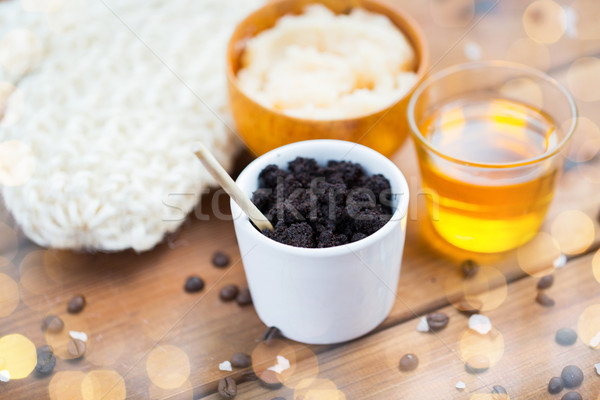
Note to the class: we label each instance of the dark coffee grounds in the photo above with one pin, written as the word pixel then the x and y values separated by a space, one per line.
pixel 314 206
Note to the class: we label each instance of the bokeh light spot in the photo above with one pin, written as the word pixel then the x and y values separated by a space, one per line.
pixel 103 385
pixel 574 231
pixel 17 163
pixel 318 389
pixel 484 292
pixel 33 274
pixel 588 326
pixel 265 356
pixel 19 355
pixel 588 15
pixel 544 21
pixel 596 266
pixel 583 78
pixel 528 52
pixel 585 144
pixel 9 295
pixel 537 257
pixel 474 345
pixel 168 367
pixel 66 385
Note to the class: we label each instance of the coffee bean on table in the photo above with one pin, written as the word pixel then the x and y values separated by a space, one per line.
pixel 544 300
pixel 498 393
pixel 269 380
pixel 545 282
pixel 270 334
pixel 45 360
pixel 76 304
pixel 555 385
pixel 566 336
pixel 437 321
pixel 194 284
pixel 244 298
pixel 572 376
pixel 571 396
pixel 241 360
pixel 477 364
pixel 227 388
pixel 473 306
pixel 229 292
pixel 408 362
pixel 220 259
pixel 52 324
pixel 469 268
pixel 76 348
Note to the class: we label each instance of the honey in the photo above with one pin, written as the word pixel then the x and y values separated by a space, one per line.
pixel 488 194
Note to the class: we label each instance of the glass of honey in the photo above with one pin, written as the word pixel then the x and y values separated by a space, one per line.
pixel 490 140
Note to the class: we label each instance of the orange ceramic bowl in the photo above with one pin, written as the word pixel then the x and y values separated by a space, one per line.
pixel 264 129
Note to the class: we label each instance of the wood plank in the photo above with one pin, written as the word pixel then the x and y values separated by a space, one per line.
pixel 368 368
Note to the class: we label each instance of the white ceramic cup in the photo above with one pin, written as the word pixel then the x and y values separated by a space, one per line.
pixel 324 295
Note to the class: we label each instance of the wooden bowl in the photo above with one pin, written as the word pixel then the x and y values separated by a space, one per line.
pixel 264 129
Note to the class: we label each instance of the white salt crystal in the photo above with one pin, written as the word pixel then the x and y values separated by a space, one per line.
pixel 480 324
pixel 460 385
pixel 78 335
pixel 282 364
pixel 597 368
pixel 423 325
pixel 560 262
pixel 4 375
pixel 225 366
pixel 595 342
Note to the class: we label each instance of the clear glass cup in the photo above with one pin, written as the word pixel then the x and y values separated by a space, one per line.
pixel 491 140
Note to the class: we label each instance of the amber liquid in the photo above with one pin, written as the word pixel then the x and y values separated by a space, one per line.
pixel 488 209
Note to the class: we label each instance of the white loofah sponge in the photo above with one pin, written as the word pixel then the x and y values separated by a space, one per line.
pixel 98 152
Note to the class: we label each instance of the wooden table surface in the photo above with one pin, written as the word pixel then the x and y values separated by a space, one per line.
pixel 150 339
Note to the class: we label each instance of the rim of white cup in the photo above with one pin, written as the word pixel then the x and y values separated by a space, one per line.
pixel 392 173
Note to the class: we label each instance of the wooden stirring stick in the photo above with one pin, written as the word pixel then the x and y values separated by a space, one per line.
pixel 233 190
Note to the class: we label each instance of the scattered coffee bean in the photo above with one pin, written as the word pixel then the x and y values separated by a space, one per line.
pixel 220 259
pixel 408 362
pixel 229 292
pixel 248 376
pixel 555 385
pixel 227 388
pixel 571 396
pixel 76 348
pixel 241 360
pixel 244 297
pixel 544 300
pixel 473 306
pixel 545 282
pixel 499 393
pixel 572 376
pixel 194 284
pixel 269 380
pixel 566 336
pixel 437 321
pixel 270 334
pixel 52 324
pixel 76 304
pixel 469 268
pixel 45 360
pixel 477 364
